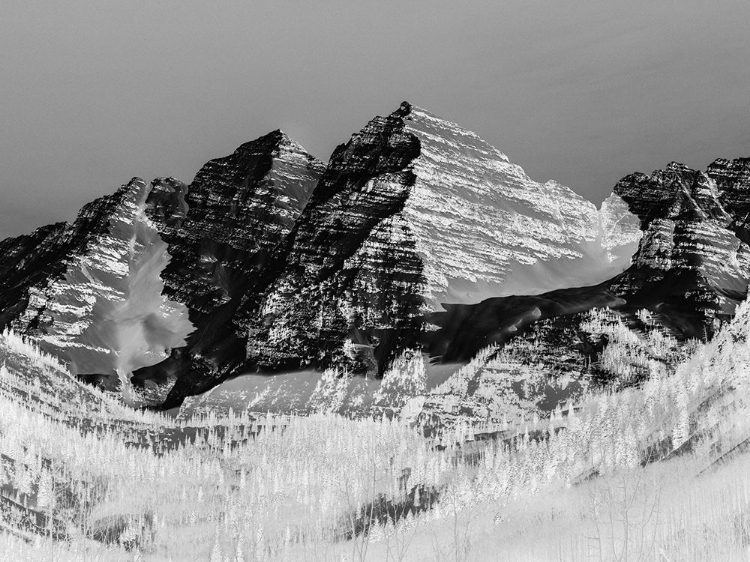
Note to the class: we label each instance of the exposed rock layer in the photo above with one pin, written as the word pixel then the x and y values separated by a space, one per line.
pixel 691 269
pixel 413 212
pixel 222 231
pixel 417 232
pixel 110 296
pixel 692 259
pixel 92 293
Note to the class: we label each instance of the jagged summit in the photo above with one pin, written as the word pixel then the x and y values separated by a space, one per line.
pixel 236 214
pixel 412 212
pixel 459 134
pixel 92 293
pixel 276 138
pixel 515 235
pixel 404 109
pixel 416 233
pixel 137 271
pixel 694 253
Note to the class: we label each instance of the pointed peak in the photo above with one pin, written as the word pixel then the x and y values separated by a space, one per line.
pixel 269 143
pixel 736 164
pixel 280 136
pixel 403 110
pixel 275 137
pixel 409 111
pixel 678 167
pixel 286 141
pixel 421 121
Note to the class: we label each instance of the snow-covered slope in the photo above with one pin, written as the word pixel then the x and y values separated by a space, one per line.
pixel 484 229
pixel 412 213
pixel 690 271
pixel 694 258
pixel 416 234
pixel 103 311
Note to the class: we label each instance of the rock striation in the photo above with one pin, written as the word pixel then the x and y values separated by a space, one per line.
pixel 412 213
pixel 91 291
pixel 417 233
pixel 229 220
pixel 140 270
pixel 690 270
pixel 693 263
pixel 222 231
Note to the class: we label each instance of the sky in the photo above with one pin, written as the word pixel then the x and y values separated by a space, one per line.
pixel 95 92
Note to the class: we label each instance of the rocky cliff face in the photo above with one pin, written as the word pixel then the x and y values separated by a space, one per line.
pixel 733 183
pixel 414 212
pixel 140 270
pixel 231 217
pixel 222 231
pixel 416 233
pixel 486 229
pixel 26 262
pixel 692 261
pixel 690 270
pixel 91 292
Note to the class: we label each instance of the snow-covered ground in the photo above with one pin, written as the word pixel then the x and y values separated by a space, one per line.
pixel 652 472
pixel 292 392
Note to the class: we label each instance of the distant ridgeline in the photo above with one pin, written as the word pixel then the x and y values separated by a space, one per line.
pixel 417 234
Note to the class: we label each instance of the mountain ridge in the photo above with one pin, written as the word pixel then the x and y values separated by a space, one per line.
pixel 273 260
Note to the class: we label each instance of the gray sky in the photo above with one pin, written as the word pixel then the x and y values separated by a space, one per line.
pixel 94 92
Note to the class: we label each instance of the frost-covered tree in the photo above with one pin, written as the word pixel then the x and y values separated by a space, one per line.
pixel 45 492
pixel 330 392
pixel 405 379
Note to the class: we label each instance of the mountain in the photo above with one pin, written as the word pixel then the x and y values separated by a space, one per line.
pixel 690 271
pixel 414 212
pixel 416 234
pixel 91 291
pixel 694 258
pixel 221 232
pixel 139 270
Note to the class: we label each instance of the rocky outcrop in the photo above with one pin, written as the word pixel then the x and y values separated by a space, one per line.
pixel 690 271
pixel 91 292
pixel 732 179
pixel 140 270
pixel 28 264
pixel 222 231
pixel 416 233
pixel 27 261
pixel 228 221
pixel 485 229
pixel 414 212
pixel 692 266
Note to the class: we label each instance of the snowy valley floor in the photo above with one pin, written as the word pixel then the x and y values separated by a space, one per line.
pixel 655 471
